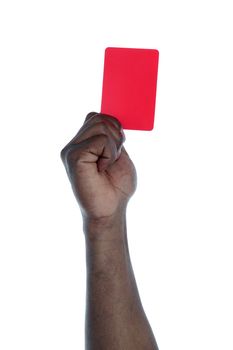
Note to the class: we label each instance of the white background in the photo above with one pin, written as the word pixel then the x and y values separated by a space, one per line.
pixel 180 218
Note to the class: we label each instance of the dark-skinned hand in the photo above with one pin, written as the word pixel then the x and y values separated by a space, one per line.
pixel 101 173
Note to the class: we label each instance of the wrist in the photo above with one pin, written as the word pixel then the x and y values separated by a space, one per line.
pixel 106 245
pixel 106 229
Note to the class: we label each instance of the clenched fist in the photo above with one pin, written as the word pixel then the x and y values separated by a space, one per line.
pixel 102 175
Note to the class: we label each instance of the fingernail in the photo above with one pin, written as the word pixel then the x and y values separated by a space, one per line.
pixel 122 135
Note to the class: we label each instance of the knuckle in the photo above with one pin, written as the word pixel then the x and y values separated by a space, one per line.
pixel 118 123
pixel 89 115
pixel 102 118
pixel 113 119
pixel 102 127
pixel 63 153
pixel 68 152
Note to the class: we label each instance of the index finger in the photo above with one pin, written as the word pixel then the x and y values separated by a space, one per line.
pixel 103 117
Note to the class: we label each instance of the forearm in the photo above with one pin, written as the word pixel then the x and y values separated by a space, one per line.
pixel 115 318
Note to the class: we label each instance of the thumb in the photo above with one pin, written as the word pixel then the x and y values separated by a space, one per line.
pixel 100 150
pixel 109 152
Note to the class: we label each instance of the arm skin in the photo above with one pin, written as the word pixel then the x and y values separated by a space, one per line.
pixel 103 179
pixel 115 318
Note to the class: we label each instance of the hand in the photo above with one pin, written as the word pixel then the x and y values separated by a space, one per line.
pixel 102 175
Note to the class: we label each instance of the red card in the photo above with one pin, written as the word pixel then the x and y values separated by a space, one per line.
pixel 129 86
